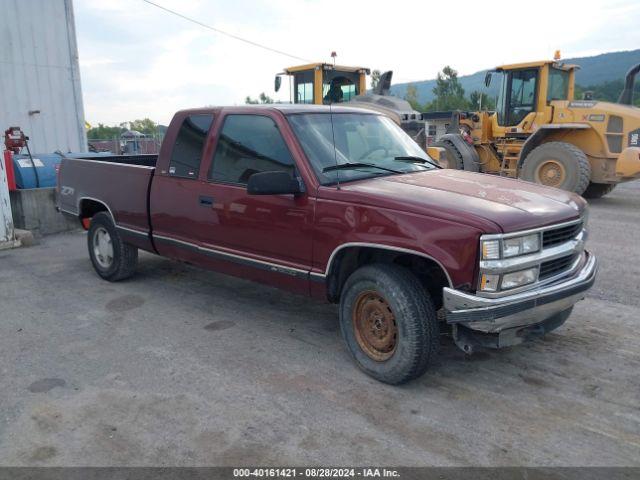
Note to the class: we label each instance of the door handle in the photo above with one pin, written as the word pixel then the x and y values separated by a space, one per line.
pixel 206 201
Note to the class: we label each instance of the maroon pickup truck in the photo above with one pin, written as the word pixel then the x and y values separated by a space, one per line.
pixel 341 205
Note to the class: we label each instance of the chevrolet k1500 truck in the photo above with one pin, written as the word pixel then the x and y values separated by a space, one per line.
pixel 342 205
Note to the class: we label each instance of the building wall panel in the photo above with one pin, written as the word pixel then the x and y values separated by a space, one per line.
pixel 39 71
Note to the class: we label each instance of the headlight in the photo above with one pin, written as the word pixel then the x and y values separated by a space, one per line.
pixel 518 279
pixel 510 247
pixel 514 246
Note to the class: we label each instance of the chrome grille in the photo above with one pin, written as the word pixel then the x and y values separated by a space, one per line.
pixel 560 235
pixel 556 266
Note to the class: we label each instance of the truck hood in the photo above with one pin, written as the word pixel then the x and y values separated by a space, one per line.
pixel 472 198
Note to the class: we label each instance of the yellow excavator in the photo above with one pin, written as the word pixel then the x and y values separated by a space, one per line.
pixel 539 133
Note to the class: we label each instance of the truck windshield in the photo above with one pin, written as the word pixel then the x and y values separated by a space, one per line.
pixel 366 145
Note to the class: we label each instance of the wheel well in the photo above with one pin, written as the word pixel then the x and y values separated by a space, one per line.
pixel 89 207
pixel 349 259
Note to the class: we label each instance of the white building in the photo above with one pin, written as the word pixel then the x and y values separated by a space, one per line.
pixel 436 124
pixel 39 74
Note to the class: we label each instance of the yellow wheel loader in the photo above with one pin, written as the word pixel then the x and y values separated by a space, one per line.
pixel 539 133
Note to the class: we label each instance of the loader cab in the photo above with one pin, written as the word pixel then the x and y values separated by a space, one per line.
pixel 323 83
pixel 526 89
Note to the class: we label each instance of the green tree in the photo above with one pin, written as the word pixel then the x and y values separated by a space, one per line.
pixel 449 94
pixel 104 132
pixel 481 101
pixel 412 97
pixel 145 125
pixel 608 91
pixel 262 98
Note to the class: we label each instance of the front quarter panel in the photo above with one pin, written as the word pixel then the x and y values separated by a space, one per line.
pixel 453 245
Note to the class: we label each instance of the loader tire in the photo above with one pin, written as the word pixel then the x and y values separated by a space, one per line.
pixel 389 323
pixel 112 258
pixel 454 157
pixel 598 190
pixel 557 164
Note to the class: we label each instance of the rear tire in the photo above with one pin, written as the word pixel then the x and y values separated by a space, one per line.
pixel 389 323
pixel 598 190
pixel 112 259
pixel 557 164
pixel 454 157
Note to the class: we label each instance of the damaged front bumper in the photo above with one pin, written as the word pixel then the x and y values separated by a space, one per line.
pixel 509 320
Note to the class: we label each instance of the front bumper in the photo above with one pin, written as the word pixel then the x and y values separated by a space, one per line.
pixel 526 309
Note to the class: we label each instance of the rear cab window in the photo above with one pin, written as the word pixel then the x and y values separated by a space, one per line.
pixel 187 150
pixel 249 144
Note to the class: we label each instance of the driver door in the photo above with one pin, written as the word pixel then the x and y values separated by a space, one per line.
pixel 268 235
pixel 518 96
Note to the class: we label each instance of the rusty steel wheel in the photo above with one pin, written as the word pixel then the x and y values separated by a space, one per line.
pixel 375 326
pixel 551 173
pixel 388 322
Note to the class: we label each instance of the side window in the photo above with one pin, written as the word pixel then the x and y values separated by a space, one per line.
pixel 187 151
pixel 558 88
pixel 304 93
pixel 249 144
pixel 303 87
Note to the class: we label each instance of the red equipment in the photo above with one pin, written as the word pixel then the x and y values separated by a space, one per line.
pixel 15 139
pixel 8 166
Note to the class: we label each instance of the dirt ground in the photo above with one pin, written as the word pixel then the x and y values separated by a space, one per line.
pixel 179 366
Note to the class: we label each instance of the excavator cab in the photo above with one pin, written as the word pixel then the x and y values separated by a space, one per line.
pixel 526 91
pixel 323 83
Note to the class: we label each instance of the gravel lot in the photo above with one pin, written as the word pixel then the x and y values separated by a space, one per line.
pixel 179 366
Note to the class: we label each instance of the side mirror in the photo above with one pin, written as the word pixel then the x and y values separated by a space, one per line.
pixel 487 79
pixel 273 183
pixel 278 82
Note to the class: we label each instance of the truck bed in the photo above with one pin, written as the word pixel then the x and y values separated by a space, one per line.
pixel 119 182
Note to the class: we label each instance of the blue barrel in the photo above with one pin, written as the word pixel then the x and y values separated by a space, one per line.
pixel 43 163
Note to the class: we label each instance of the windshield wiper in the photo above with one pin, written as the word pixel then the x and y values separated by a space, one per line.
pixel 347 166
pixel 414 159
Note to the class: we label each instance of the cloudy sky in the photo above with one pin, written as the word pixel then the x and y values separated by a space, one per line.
pixel 139 61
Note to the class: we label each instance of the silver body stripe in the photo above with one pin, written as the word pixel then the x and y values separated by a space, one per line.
pixel 275 266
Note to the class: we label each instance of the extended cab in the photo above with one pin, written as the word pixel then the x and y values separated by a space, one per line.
pixel 340 204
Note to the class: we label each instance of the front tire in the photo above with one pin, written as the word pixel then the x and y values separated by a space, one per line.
pixel 558 164
pixel 112 259
pixel 389 323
